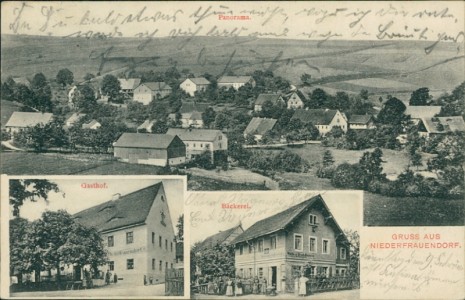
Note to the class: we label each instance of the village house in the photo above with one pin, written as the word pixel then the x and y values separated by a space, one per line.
pixel 275 99
pixel 192 85
pixel 137 232
pixel 295 100
pixel 361 122
pixel 258 127
pixel 22 120
pixel 128 85
pixel 419 112
pixel 92 125
pixel 224 237
pixel 429 127
pixel 148 91
pixel 235 81
pixel 198 141
pixel 323 119
pixel 146 126
pixel 73 119
pixel 151 149
pixel 303 238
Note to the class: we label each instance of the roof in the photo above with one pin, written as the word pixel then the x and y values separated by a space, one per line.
pixel 90 124
pixel 75 117
pixel 129 84
pixel 360 119
pixel 157 86
pixel 188 107
pixel 282 220
pixel 299 94
pixel 192 134
pixel 199 80
pixel 418 112
pixel 315 116
pixel 195 115
pixel 28 119
pixel 234 79
pixel 147 125
pixel 449 124
pixel 260 126
pixel 262 98
pixel 144 140
pixel 22 80
pixel 130 209
pixel 218 238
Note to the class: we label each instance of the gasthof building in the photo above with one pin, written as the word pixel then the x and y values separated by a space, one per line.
pixel 303 238
pixel 138 234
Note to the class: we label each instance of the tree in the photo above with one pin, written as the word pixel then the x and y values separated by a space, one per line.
pixel 328 159
pixel 39 81
pixel 65 77
pixel 420 97
pixel 392 112
pixel 85 98
pixel 348 176
pixel 370 163
pixel 354 251
pixel 216 261
pixel 364 94
pixel 89 77
pixel 208 117
pixel 341 101
pixel 415 160
pixel 160 126
pixel 22 190
pixel 180 227
pixel 305 79
pixel 111 86
pixel 18 229
pixel 318 98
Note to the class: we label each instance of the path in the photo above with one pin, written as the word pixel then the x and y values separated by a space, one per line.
pixel 8 145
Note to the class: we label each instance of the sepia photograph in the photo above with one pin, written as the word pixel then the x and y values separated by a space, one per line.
pixel 96 237
pixel 285 244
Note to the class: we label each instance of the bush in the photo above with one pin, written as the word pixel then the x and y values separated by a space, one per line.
pixel 325 172
pixel 348 176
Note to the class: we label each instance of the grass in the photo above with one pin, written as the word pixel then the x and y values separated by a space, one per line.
pixel 198 183
pixel 381 210
pixel 8 107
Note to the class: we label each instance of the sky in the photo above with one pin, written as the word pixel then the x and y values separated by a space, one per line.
pixel 207 217
pixel 347 20
pixel 73 198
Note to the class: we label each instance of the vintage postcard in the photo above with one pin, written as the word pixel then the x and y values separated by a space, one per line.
pixel 269 96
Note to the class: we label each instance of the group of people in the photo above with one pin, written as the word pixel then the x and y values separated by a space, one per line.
pixel 108 277
pixel 232 286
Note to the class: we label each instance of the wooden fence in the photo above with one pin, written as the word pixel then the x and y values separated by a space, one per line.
pixel 174 282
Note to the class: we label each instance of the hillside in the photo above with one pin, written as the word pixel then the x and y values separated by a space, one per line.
pixel 383 67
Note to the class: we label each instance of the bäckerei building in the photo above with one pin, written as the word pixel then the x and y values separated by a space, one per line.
pixel 304 237
pixel 138 233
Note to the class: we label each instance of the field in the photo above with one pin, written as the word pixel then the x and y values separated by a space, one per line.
pixel 7 110
pixel 394 66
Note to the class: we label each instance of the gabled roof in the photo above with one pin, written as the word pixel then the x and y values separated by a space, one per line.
pixel 147 125
pixel 129 84
pixel 418 112
pixel 156 86
pixel 74 118
pixel 273 98
pixel 218 238
pixel 298 93
pixel 28 119
pixel 315 116
pixel 450 124
pixel 144 140
pixel 195 115
pixel 192 134
pixel 191 106
pixel 260 126
pixel 360 119
pixel 283 219
pixel 130 209
pixel 234 79
pixel 199 80
pixel 90 124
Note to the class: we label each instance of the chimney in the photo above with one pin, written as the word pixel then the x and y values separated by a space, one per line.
pixel 116 196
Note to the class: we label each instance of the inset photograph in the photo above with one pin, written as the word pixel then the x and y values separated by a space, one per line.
pixel 96 236
pixel 258 244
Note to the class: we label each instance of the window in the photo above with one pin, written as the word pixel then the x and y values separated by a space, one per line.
pixel 343 253
pixel 241 273
pixel 171 246
pixel 250 248
pixel 166 244
pixel 260 272
pixel 153 237
pixel 194 145
pixel 129 237
pixel 273 242
pixel 241 249
pixel 201 145
pixel 111 241
pixel 220 137
pixel 153 263
pixel 160 266
pixel 159 241
pixel 111 265
pixel 312 220
pixel 313 244
pixel 166 266
pixel 298 242
pixel 130 264
pixel 260 245
pixel 325 246
pixel 312 271
pixel 162 198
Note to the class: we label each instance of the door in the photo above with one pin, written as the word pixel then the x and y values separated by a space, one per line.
pixel 274 276
pixel 77 273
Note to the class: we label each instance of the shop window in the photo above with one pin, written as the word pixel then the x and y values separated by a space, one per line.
pixel 129 237
pixel 298 242
pixel 130 264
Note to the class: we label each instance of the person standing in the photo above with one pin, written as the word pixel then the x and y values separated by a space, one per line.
pixel 303 285
pixel 263 285
pixel 115 278
pixel 255 285
pixel 238 286
pixel 107 277
pixel 229 287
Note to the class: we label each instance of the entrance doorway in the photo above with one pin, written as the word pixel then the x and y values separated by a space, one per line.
pixel 274 276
